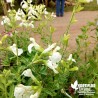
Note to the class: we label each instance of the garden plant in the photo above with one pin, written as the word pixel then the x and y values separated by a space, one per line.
pixel 49 70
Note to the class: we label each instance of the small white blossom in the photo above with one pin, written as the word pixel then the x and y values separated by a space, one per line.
pixel 97 22
pixel 70 58
pixel 19 15
pixel 57 48
pixel 31 24
pixel 29 1
pixel 24 4
pixel 75 85
pixel 5 20
pixel 22 91
pixel 55 57
pixel 53 15
pixel 9 1
pixel 97 1
pixel 45 12
pixel 33 44
pixel 27 73
pixel 52 66
pixel 30 47
pixel 24 23
pixel 15 50
pixel 89 1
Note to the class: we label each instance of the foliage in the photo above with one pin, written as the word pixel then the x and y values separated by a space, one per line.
pixel 27 65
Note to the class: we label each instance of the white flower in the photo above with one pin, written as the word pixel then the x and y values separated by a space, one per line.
pixel 53 60
pixel 97 1
pixel 53 15
pixel 24 23
pixel 9 1
pixel 56 49
pixel 32 13
pixel 75 85
pixel 36 95
pixel 31 24
pixel 52 66
pixel 89 1
pixel 45 12
pixel 30 47
pixel 27 73
pixel 29 1
pixel 15 50
pixel 6 20
pixel 49 48
pixel 22 91
pixel 97 23
pixel 56 57
pixel 33 44
pixel 24 4
pixel 19 15
pixel 70 58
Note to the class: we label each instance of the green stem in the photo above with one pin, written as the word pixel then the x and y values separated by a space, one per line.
pixel 64 49
pixel 16 45
pixel 68 27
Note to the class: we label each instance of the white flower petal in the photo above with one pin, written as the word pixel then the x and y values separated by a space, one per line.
pixel 52 66
pixel 22 91
pixel 32 39
pixel 97 1
pixel 56 57
pixel 30 47
pixel 56 49
pixel 36 95
pixel 9 1
pixel 75 85
pixel 70 58
pixel 36 46
pixel 29 1
pixel 18 92
pixel 72 86
pixel 74 60
pixel 49 48
pixel 15 50
pixel 27 73
pixel 2 23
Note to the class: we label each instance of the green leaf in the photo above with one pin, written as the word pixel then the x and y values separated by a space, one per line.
pixel 74 69
pixel 11 92
pixel 49 91
pixel 2 79
pixel 43 70
pixel 79 8
pixel 73 20
pixel 65 64
pixel 1 87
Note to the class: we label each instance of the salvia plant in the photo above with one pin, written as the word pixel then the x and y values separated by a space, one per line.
pixel 29 70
